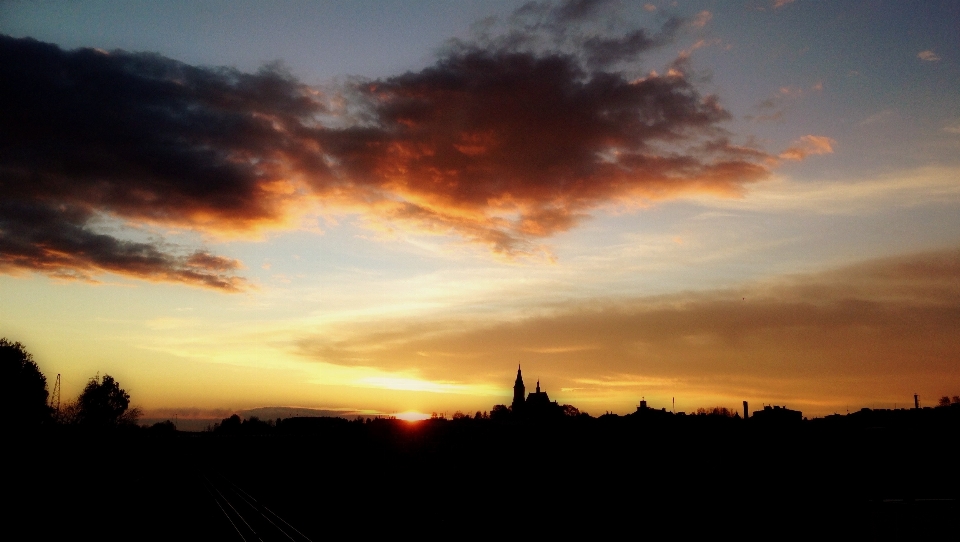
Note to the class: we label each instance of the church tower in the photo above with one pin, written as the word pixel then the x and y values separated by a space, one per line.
pixel 518 392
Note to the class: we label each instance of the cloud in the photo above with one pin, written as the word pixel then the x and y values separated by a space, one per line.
pixel 143 139
pixel 504 141
pixel 508 146
pixel 572 11
pixel 777 4
pixel 860 333
pixel 57 242
pixel 928 186
pixel 775 107
pixel 604 51
pixel 928 56
pixel 701 19
pixel 791 91
pixel 808 145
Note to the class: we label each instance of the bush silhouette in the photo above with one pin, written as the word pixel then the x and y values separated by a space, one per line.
pixel 23 388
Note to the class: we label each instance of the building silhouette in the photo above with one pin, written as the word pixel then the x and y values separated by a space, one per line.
pixel 518 390
pixel 537 398
pixel 644 412
pixel 537 404
pixel 777 414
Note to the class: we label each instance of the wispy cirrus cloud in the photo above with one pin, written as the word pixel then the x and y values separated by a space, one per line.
pixel 506 140
pixel 928 56
pixel 930 186
pixel 701 19
pixel 808 145
pixel 776 106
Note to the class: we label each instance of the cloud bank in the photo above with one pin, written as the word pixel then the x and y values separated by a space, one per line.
pixel 875 331
pixel 505 140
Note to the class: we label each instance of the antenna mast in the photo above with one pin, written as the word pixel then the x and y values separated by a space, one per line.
pixel 55 397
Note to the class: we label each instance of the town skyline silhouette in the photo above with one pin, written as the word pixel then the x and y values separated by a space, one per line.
pixel 585 269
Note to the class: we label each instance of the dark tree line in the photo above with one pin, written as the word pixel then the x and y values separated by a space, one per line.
pixel 23 388
pixel 102 404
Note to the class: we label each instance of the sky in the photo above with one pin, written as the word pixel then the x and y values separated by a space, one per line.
pixel 383 207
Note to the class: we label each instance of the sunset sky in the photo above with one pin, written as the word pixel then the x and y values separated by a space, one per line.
pixel 385 206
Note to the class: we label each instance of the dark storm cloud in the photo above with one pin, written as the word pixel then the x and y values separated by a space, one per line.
pixel 499 142
pixel 142 138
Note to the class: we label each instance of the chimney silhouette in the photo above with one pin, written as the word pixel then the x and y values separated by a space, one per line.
pixel 916 401
pixel 746 413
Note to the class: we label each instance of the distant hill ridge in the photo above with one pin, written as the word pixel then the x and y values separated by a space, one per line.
pixel 274 412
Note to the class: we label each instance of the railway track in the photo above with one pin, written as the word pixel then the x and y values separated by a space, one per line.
pixel 250 519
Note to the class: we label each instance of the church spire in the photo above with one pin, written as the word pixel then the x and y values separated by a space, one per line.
pixel 518 391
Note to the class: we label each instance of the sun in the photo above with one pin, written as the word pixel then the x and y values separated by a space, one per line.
pixel 411 416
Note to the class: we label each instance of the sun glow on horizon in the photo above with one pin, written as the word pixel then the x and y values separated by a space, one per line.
pixel 583 203
pixel 412 416
pixel 416 384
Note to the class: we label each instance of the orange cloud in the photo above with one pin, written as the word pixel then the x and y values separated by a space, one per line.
pixel 499 143
pixel 509 146
pixel 808 145
pixel 875 331
pixel 701 19
pixel 928 56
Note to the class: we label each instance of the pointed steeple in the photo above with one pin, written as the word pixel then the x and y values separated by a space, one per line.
pixel 518 391
pixel 538 385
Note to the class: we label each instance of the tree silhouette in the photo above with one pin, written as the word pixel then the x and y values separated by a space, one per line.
pixel 164 427
pixel 103 404
pixel 947 401
pixel 718 411
pixel 500 412
pixel 23 388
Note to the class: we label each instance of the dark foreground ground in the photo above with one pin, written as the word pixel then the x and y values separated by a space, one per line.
pixel 332 480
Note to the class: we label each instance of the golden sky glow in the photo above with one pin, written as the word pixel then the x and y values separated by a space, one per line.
pixel 694 202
